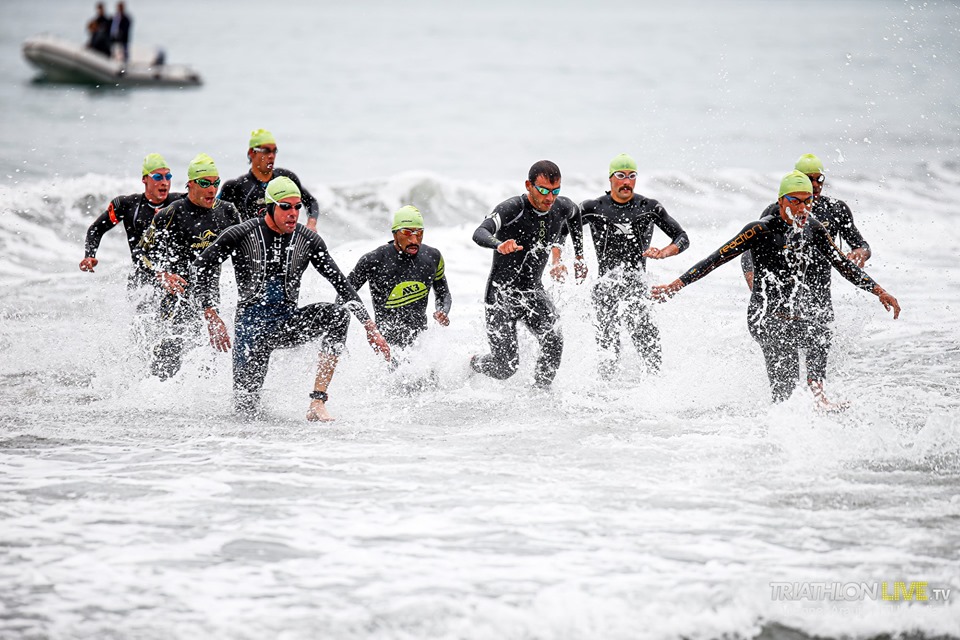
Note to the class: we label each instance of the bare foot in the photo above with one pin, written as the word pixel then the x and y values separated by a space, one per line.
pixel 823 403
pixel 318 412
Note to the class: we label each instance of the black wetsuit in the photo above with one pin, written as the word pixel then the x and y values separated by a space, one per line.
pixel 837 219
pixel 136 213
pixel 176 237
pixel 269 267
pixel 775 316
pixel 399 287
pixel 247 194
pixel 99 29
pixel 621 233
pixel 515 286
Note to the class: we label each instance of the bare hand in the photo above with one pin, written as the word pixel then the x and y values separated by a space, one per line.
pixel 442 318
pixel 376 340
pixel 660 254
pixel 858 257
pixel 172 283
pixel 87 264
pixel 580 269
pixel 558 272
pixel 888 301
pixel 219 336
pixel 663 292
pixel 508 246
pixel 312 224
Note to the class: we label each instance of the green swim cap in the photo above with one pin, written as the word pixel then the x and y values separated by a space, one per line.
pixel 408 217
pixel 622 162
pixel 794 182
pixel 809 163
pixel 280 188
pixel 202 167
pixel 261 137
pixel 152 162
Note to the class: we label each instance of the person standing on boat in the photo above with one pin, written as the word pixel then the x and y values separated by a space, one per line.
pixel 120 27
pixel 246 193
pixel 99 30
pixel 136 212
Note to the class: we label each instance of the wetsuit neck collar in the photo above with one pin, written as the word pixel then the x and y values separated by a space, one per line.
pixel 263 182
pixel 529 205
pixel 634 198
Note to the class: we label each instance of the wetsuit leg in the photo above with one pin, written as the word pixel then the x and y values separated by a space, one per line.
pixel 606 304
pixel 541 317
pixel 779 342
pixel 504 356
pixel 816 348
pixel 260 331
pixel 323 321
pixel 179 321
pixel 645 334
pixel 251 357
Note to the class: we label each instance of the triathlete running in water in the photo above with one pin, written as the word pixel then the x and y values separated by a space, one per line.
pixel 401 274
pixel 176 237
pixel 246 193
pixel 136 212
pixel 783 250
pixel 621 223
pixel 270 255
pixel 522 231
pixel 837 219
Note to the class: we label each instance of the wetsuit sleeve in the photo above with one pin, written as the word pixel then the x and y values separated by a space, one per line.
pixel 854 274
pixel 361 273
pixel 574 225
pixel 233 214
pixel 321 260
pixel 725 254
pixel 849 231
pixel 207 267
pixel 441 292
pixel 106 221
pixel 746 262
pixel 484 235
pixel 671 227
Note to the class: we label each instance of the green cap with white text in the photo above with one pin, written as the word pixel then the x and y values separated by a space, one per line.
pixel 407 217
pixel 152 162
pixel 280 188
pixel 795 182
pixel 202 167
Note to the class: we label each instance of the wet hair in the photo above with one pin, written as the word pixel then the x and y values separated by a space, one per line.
pixel 544 168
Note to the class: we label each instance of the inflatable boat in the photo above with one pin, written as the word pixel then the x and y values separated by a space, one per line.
pixel 63 61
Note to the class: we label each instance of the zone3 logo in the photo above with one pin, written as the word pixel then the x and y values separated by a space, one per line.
pixel 407 293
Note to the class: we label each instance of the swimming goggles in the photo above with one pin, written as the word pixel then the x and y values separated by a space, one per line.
pixel 544 191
